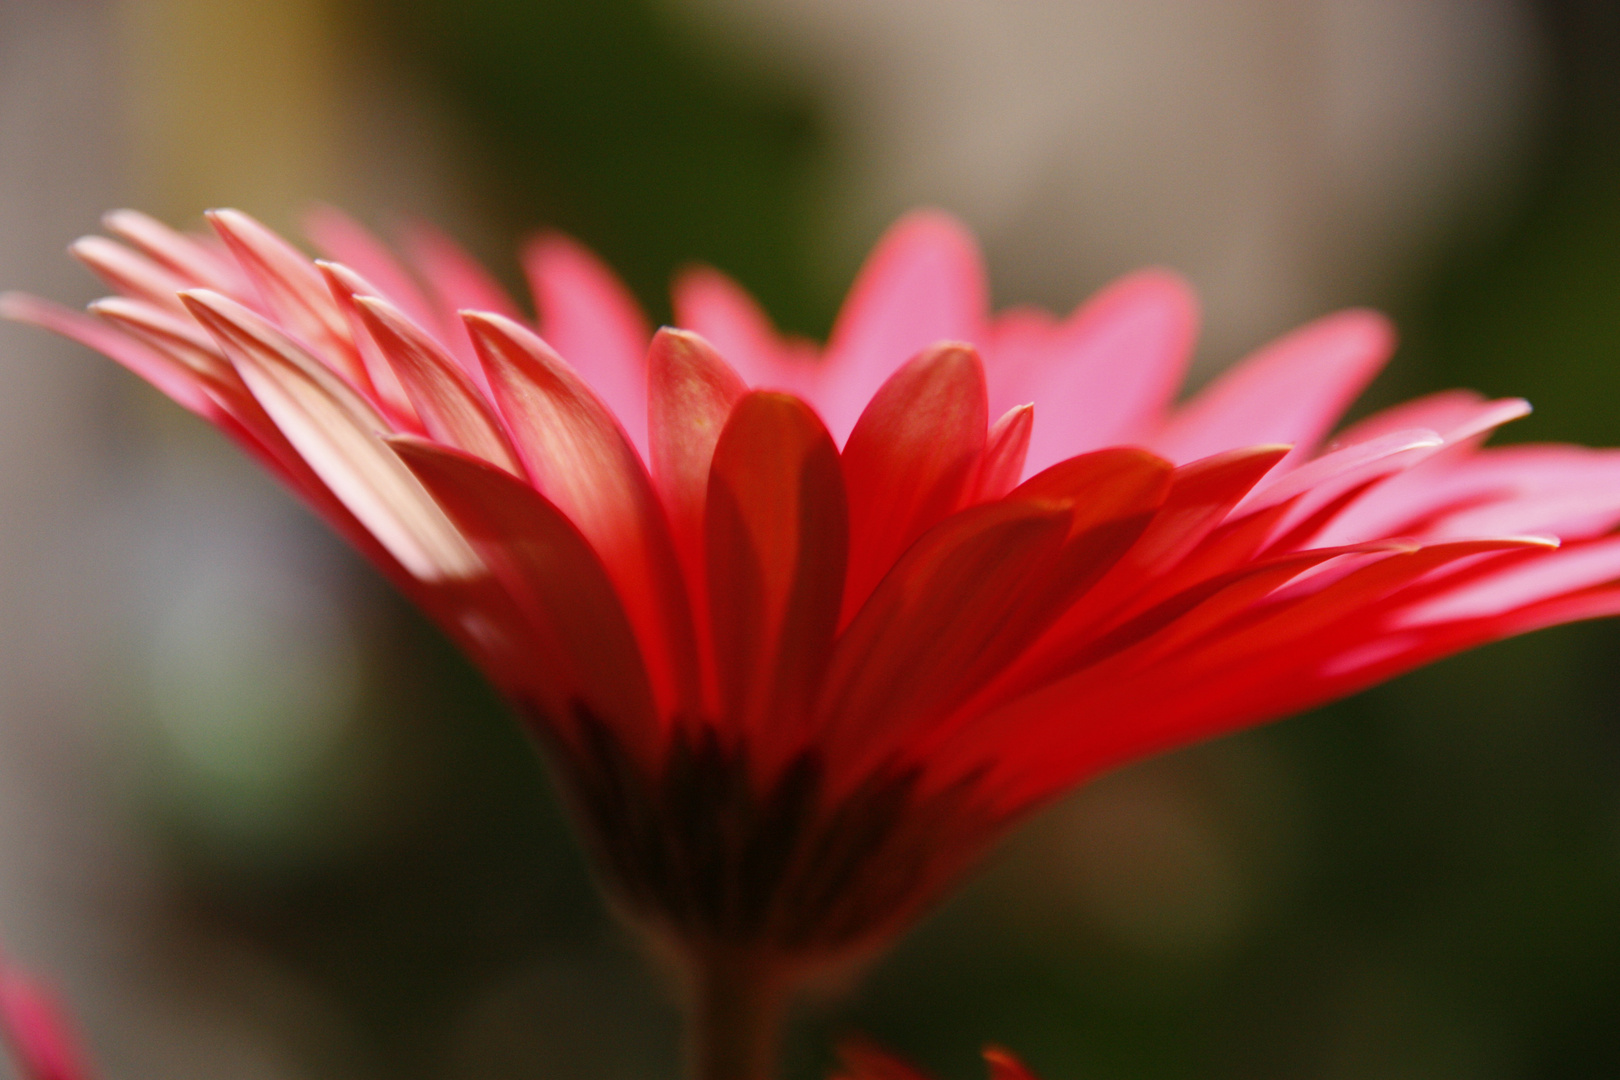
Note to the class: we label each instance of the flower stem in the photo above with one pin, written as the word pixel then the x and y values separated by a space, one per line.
pixel 734 1019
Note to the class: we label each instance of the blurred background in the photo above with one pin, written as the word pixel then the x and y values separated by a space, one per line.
pixel 257 820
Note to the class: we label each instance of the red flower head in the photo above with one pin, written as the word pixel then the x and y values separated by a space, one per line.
pixel 805 630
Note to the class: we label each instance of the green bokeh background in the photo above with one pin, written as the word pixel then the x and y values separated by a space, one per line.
pixel 1433 868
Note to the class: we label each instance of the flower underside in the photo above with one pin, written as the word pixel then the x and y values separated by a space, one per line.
pixel 805 630
pixel 701 852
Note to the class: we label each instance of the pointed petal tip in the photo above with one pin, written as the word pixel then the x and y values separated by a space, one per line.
pixel 206 299
pixel 1371 322
pixel 347 283
pixel 677 334
pixel 1550 543
pixel 112 219
pixel 1005 1065
pixel 1171 285
pixel 477 317
pixel 933 219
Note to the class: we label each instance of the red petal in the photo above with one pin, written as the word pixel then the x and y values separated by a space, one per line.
pixel 581 460
pixel 692 391
pixel 1004 1065
pixel 864 1060
pixel 777 534
pixel 1005 450
pixel 910 458
pixel 916 645
pixel 588 651
pixel 923 283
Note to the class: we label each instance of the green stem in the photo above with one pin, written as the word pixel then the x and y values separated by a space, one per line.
pixel 734 1020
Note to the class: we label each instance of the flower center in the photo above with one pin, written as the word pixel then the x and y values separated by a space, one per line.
pixel 705 850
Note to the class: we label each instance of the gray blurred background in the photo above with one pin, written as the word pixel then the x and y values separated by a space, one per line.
pixel 258 821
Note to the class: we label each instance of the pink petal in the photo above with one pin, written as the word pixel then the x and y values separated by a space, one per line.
pixel 1565 490
pixel 337 431
pixel 458 283
pixel 293 291
pixel 1577 567
pixel 580 459
pixel 451 407
pixel 345 284
pixel 1292 391
pixel 593 322
pixel 1455 414
pixel 181 341
pixel 713 305
pixel 923 283
pixel 183 256
pixel 1345 467
pixel 173 378
pixel 1105 375
pixel 130 274
pixel 240 416
pixel 344 240
pixel 37 1029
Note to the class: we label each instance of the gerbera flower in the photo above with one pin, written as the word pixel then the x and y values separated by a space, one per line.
pixel 806 630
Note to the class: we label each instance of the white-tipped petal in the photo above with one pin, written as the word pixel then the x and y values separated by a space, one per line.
pixel 338 433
